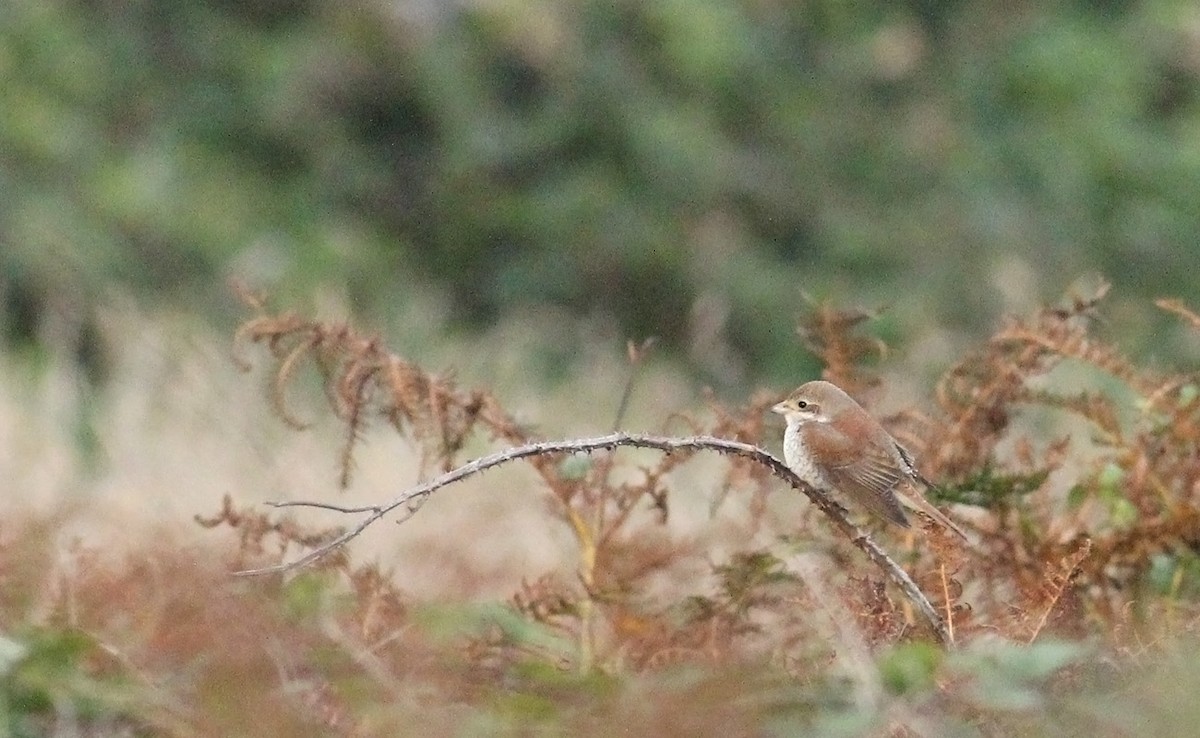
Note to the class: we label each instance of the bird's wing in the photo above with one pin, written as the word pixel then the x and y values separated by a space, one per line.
pixel 907 456
pixel 870 479
pixel 917 501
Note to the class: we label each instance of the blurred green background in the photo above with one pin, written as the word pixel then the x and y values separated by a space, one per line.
pixel 690 170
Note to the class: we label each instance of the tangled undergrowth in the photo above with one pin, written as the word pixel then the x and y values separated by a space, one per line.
pixel 1075 471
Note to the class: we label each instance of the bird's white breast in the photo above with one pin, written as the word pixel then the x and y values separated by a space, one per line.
pixel 798 458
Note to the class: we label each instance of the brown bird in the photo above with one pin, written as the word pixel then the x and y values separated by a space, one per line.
pixel 832 443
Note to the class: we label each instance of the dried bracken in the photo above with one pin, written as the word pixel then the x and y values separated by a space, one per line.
pixel 611 518
pixel 830 333
pixel 1065 521
pixel 1074 469
pixel 256 530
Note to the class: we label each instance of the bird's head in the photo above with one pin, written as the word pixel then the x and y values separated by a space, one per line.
pixel 813 402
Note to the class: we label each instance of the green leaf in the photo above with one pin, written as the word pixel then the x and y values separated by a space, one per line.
pixel 311 593
pixel 910 667
pixel 450 622
pixel 1010 676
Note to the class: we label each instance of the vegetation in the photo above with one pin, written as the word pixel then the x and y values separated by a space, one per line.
pixel 698 164
pixel 507 191
pixel 1070 613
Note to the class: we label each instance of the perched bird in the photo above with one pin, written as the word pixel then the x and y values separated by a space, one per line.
pixel 832 443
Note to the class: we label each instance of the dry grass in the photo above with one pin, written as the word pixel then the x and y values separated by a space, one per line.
pixel 673 595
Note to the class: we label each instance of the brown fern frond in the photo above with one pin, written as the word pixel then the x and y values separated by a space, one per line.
pixel 1054 584
pixel 361 379
pixel 405 384
pixel 747 424
pixel 1177 306
pixel 1122 555
pixel 652 487
pixel 252 331
pixel 283 375
pixel 744 423
pixel 1073 342
pixel 546 600
pixel 254 528
pixel 940 572
pixel 978 393
pixel 977 396
pixel 829 333
pixel 348 383
pixel 1082 306
pixel 381 604
pixel 1094 407
pixel 880 619
pixel 355 420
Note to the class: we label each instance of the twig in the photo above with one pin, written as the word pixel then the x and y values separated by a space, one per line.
pixel 412 498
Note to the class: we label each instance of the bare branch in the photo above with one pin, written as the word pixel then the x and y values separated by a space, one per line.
pixel 324 506
pixel 413 497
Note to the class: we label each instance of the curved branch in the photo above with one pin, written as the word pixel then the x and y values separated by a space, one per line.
pixel 413 497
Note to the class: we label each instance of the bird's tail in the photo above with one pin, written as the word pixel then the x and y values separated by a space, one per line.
pixel 915 500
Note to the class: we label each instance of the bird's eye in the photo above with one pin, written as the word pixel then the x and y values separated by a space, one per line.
pixel 801 404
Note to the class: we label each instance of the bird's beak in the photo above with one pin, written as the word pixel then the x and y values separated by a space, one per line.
pixel 779 408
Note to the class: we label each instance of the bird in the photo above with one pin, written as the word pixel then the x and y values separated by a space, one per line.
pixel 835 445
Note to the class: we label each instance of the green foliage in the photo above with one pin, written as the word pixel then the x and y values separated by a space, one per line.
pixel 743 579
pixel 47 680
pixel 910 667
pixel 453 622
pixel 1010 676
pixel 313 594
pixel 1109 490
pixel 989 486
pixel 678 167
pixel 1175 575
